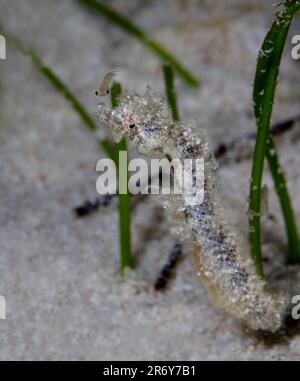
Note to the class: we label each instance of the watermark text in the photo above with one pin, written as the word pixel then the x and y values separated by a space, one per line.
pixel 296 307
pixel 2 307
pixel 2 48
pixel 296 49
pixel 157 176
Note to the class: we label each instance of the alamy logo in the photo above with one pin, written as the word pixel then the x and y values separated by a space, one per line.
pixel 2 307
pixel 296 49
pixel 296 308
pixel 159 176
pixel 2 48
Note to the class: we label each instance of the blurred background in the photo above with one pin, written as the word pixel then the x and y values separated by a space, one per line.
pixel 59 274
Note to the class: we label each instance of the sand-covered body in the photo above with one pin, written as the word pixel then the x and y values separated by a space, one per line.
pixel 222 260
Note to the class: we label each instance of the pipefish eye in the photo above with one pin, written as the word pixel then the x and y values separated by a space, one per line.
pixel 132 125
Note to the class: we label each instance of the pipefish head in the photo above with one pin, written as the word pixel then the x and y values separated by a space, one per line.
pixel 143 118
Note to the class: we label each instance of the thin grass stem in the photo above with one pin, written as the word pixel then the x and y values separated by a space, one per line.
pixel 170 91
pixel 127 25
pixel 126 259
pixel 58 84
pixel 263 96
pixel 285 203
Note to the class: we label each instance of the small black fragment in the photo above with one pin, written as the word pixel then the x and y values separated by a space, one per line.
pixel 281 127
pixel 168 268
pixel 276 130
pixel 220 150
pixel 160 284
pixel 106 200
pixel 89 207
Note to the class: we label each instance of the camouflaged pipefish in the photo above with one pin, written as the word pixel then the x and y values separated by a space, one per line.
pixel 221 259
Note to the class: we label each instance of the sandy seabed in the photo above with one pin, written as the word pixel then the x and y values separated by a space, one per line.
pixel 65 300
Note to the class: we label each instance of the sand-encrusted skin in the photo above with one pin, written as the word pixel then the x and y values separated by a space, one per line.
pixel 221 259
